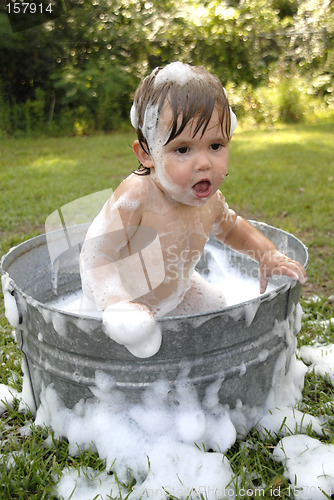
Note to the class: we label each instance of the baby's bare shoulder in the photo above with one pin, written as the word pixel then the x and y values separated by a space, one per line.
pixel 225 216
pixel 132 193
pixel 134 186
pixel 218 204
pixel 134 197
pixel 126 205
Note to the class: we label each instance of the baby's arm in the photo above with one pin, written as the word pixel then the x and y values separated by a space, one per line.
pixel 104 251
pixel 245 238
pixel 111 275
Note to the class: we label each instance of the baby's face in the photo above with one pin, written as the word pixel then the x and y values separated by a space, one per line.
pixel 190 169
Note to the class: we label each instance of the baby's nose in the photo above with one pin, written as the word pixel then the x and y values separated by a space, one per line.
pixel 203 162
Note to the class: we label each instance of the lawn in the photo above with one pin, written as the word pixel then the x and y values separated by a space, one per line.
pixel 282 176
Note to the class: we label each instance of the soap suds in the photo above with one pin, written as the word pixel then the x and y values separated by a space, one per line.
pixel 321 359
pixel 153 440
pixel 134 327
pixel 85 483
pixel 176 72
pixel 287 420
pixel 11 310
pixel 309 466
pixel 223 284
pixel 183 73
pixel 235 286
pixel 7 396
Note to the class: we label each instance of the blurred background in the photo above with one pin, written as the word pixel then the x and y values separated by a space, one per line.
pixel 70 67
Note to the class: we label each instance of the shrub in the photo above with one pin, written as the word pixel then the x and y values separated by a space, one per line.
pixel 97 96
pixel 291 106
pixel 289 100
pixel 5 125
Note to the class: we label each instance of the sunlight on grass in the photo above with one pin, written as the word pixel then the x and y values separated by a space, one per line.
pixel 44 164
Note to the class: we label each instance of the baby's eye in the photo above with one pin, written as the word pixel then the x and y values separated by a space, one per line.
pixel 182 150
pixel 216 146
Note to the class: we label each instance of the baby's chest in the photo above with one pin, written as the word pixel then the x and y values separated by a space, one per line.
pixel 183 243
pixel 182 231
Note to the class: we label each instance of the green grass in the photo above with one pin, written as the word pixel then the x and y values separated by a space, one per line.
pixel 37 176
pixel 283 177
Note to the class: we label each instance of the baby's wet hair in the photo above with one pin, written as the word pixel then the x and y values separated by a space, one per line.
pixel 191 93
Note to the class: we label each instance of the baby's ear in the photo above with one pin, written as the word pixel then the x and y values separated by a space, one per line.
pixel 143 157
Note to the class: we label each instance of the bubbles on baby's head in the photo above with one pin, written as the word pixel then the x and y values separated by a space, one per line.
pixel 177 72
pixel 150 124
pixel 191 88
pixel 134 116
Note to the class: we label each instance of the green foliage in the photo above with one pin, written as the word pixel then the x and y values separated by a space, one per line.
pixel 77 74
pixel 290 105
pixel 97 95
pixel 5 112
pixel 285 99
pixel 28 117
pixel 231 44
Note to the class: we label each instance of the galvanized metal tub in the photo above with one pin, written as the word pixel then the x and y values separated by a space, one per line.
pixel 225 345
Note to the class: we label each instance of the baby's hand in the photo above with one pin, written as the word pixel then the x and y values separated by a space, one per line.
pixel 274 262
pixel 133 326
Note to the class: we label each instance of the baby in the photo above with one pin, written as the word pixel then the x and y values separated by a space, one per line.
pixel 139 256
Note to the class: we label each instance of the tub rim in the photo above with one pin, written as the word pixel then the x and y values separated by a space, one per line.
pixel 41 239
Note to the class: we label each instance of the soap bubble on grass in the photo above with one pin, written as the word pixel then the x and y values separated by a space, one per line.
pixel 320 358
pixel 7 396
pixel 85 483
pixel 309 466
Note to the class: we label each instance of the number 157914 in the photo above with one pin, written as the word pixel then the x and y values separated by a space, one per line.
pixel 28 8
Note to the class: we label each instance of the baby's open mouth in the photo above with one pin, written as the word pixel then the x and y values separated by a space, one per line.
pixel 202 189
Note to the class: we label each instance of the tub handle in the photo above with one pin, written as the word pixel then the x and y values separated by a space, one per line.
pixel 19 307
